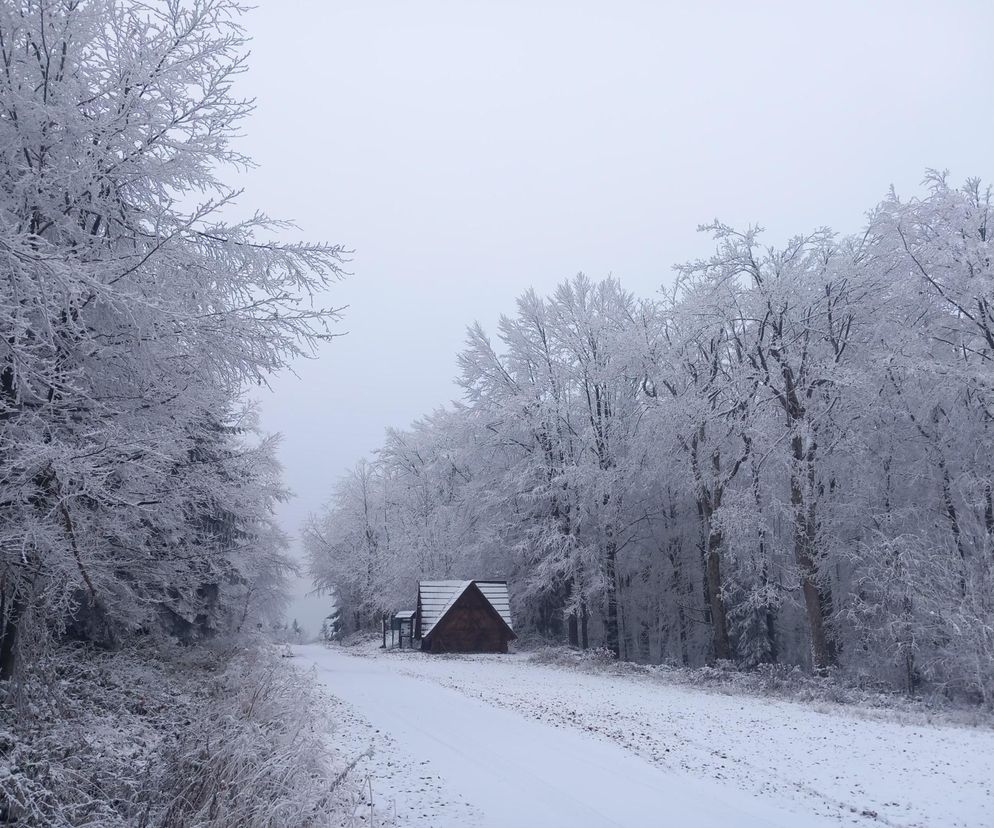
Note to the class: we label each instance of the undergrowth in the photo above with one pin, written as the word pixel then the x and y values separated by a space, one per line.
pixel 773 680
pixel 197 738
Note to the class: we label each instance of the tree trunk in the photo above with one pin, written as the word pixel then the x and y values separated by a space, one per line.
pixel 11 608
pixel 988 509
pixel 817 600
pixel 708 501
pixel 624 634
pixel 719 617
pixel 676 586
pixel 770 614
pixel 951 514
pixel 611 579
pixel 681 620
pixel 577 616
pixel 711 541
pixel 645 642
pixel 584 638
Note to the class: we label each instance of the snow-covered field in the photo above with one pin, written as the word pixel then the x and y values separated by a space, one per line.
pixel 502 740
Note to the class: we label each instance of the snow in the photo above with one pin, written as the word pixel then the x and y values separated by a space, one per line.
pixel 509 767
pixel 496 593
pixel 491 740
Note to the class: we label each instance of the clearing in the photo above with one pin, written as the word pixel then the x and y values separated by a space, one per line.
pixel 503 740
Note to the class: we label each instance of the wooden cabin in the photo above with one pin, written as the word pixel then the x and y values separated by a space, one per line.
pixel 463 617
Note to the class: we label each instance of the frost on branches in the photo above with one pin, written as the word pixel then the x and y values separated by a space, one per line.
pixel 785 458
pixel 133 490
pixel 136 495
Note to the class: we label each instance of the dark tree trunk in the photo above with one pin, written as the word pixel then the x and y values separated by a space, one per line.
pixel 584 615
pixel 771 617
pixel 988 509
pixel 771 635
pixel 714 602
pixel 719 618
pixel 611 577
pixel 771 612
pixel 708 501
pixel 645 642
pixel 678 589
pixel 11 608
pixel 624 635
pixel 573 620
pixel 550 616
pixel 817 599
pixel 578 618
pixel 954 527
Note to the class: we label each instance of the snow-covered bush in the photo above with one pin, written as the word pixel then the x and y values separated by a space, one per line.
pixel 184 738
pixel 255 753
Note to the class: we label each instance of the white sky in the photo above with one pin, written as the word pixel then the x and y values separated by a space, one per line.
pixel 469 150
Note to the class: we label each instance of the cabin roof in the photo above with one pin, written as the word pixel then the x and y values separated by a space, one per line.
pixel 405 614
pixel 437 597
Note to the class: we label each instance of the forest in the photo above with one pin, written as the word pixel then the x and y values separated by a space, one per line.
pixel 783 457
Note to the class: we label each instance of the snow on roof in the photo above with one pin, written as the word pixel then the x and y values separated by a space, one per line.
pixel 405 614
pixel 437 597
pixel 496 594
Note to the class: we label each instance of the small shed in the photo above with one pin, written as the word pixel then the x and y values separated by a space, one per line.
pixel 464 617
pixel 401 626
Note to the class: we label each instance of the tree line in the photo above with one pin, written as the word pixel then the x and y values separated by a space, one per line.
pixel 783 457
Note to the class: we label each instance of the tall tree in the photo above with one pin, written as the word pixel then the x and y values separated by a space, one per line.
pixel 132 313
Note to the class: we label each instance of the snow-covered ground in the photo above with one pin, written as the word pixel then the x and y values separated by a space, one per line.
pixel 502 740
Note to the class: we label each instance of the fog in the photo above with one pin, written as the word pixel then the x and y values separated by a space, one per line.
pixel 468 151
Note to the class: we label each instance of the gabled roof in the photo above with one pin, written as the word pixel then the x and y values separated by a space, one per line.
pixel 436 598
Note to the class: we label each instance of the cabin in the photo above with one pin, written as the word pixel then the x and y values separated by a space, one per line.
pixel 463 617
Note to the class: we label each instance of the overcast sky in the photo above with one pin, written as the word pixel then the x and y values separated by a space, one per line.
pixel 469 150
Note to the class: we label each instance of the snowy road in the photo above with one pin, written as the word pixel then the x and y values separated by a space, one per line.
pixel 512 770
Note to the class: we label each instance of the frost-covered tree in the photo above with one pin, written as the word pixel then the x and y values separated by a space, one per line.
pixel 347 547
pixel 793 331
pixel 133 315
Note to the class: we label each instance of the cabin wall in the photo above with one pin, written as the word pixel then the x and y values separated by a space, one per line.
pixel 469 627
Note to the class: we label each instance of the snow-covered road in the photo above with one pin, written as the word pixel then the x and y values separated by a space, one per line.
pixel 474 763
pixel 504 741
